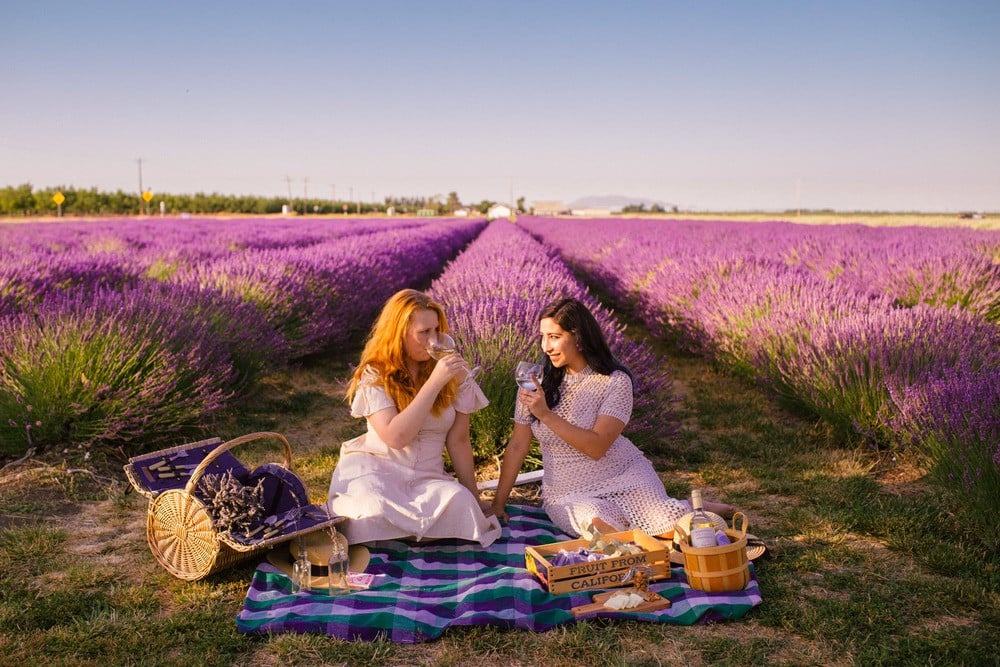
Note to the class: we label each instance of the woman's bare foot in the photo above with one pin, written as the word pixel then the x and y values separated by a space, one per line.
pixel 722 509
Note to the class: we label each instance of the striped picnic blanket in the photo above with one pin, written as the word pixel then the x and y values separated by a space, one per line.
pixel 421 589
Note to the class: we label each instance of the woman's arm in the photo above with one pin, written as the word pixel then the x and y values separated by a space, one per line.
pixel 594 442
pixel 397 429
pixel 513 458
pixel 459 446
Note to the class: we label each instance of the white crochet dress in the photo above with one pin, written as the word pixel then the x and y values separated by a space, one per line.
pixel 405 493
pixel 621 487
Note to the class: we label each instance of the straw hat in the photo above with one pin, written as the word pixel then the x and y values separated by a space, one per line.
pixel 318 548
pixel 682 528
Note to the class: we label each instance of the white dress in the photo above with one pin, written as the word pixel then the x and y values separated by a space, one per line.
pixel 621 487
pixel 390 493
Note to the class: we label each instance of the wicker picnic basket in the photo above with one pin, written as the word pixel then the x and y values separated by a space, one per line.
pixel 179 529
pixel 720 568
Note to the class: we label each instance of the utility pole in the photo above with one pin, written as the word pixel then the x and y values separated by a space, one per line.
pixel 139 160
pixel 305 204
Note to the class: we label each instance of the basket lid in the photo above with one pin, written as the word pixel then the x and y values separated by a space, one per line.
pixel 153 473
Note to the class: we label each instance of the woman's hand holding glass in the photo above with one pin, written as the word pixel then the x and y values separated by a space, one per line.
pixel 443 349
pixel 530 394
pixel 526 373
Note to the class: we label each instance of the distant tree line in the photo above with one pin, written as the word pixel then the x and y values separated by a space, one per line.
pixel 25 201
pixel 641 208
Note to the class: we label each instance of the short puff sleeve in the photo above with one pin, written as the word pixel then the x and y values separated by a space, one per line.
pixel 470 398
pixel 370 396
pixel 617 401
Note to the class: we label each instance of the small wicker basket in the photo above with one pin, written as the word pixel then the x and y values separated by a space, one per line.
pixel 721 568
pixel 179 530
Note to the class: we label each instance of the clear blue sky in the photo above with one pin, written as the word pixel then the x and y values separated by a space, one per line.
pixel 708 105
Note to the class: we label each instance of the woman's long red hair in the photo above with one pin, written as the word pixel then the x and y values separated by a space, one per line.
pixel 384 351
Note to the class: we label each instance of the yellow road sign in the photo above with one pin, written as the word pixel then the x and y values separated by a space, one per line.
pixel 58 198
pixel 147 195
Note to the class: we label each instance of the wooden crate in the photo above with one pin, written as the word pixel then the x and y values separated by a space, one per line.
pixel 604 573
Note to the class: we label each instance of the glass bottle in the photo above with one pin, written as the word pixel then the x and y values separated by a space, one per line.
pixel 702 533
pixel 337 564
pixel 301 569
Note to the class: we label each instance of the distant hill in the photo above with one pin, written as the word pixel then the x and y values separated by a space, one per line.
pixel 615 202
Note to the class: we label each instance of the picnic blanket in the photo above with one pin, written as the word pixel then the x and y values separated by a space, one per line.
pixel 419 590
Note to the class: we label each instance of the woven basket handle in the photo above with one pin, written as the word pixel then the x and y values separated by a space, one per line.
pixel 744 523
pixel 226 446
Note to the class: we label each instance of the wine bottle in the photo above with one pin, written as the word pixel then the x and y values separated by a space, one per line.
pixel 702 533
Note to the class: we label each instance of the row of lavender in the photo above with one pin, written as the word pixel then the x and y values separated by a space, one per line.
pixel 886 333
pixel 494 292
pixel 190 238
pixel 910 265
pixel 114 333
pixel 37 259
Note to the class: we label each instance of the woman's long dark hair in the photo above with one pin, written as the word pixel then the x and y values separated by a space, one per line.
pixel 576 318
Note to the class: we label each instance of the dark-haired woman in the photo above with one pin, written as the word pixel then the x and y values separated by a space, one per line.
pixel 578 412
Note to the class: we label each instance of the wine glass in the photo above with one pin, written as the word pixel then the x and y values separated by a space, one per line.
pixel 442 345
pixel 524 373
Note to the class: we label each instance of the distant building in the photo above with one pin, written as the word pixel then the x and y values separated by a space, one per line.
pixel 549 208
pixel 498 211
pixel 593 212
pixel 461 213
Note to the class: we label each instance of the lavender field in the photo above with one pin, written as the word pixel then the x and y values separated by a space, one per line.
pixel 127 332
pixel 132 333
pixel 889 334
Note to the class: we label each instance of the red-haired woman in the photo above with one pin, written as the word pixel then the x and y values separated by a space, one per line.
pixel 390 482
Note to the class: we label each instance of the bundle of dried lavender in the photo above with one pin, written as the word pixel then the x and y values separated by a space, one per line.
pixel 233 506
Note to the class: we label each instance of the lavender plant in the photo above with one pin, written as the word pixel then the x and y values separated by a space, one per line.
pixel 108 366
pixel 950 415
